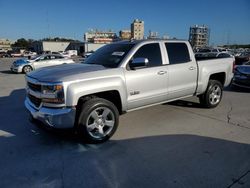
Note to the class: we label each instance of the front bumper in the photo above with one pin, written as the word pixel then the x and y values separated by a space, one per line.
pixel 16 69
pixel 57 118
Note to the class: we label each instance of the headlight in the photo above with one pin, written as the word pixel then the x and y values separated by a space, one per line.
pixel 51 89
pixel 53 93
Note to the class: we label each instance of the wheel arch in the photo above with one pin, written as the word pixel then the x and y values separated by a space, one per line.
pixel 221 77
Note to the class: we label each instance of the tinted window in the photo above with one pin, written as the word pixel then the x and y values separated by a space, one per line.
pixel 223 55
pixel 151 52
pixel 44 58
pixel 177 53
pixel 110 55
pixel 58 57
pixel 204 50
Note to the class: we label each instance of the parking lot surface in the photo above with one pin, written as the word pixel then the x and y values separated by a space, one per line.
pixel 178 144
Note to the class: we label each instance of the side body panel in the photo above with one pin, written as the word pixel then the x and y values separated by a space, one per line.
pixel 210 67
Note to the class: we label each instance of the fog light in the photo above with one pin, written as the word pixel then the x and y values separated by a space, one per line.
pixel 48 120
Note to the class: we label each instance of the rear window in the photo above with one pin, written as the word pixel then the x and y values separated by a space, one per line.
pixel 177 53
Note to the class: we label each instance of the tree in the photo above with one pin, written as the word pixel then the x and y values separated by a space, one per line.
pixel 22 43
pixel 58 39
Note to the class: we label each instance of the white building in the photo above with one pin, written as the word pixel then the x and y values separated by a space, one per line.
pixel 5 44
pixel 55 46
pixel 137 29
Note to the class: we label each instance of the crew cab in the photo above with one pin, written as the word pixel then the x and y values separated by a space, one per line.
pixel 122 77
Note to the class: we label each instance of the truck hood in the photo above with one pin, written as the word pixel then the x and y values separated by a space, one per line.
pixel 62 73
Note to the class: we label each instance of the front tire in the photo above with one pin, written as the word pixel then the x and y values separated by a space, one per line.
pixel 98 120
pixel 213 95
pixel 27 69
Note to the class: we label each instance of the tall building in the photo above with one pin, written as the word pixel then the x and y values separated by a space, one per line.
pixel 103 37
pixel 199 36
pixel 125 34
pixel 137 29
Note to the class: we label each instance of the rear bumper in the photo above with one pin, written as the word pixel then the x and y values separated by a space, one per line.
pixel 57 118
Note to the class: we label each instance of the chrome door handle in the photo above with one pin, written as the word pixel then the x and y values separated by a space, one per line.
pixel 191 68
pixel 161 72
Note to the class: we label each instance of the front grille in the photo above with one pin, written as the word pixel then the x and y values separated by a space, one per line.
pixel 36 101
pixel 35 87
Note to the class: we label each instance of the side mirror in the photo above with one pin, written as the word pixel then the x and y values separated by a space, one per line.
pixel 139 62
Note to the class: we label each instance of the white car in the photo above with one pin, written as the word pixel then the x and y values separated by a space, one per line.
pixel 29 54
pixel 45 60
pixel 69 53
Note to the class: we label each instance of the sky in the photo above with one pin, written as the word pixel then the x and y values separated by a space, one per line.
pixel 228 20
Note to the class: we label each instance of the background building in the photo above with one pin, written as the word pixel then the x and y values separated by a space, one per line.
pixel 54 46
pixel 125 34
pixel 199 36
pixel 102 37
pixel 137 29
pixel 153 35
pixel 5 44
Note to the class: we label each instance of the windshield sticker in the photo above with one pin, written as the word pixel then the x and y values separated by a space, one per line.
pixel 118 53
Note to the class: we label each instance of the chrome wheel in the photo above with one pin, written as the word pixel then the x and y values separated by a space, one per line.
pixel 100 122
pixel 215 94
pixel 27 69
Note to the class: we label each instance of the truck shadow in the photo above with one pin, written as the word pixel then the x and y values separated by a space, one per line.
pixel 156 161
pixel 35 157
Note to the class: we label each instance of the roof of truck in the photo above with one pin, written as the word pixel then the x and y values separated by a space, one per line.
pixel 149 40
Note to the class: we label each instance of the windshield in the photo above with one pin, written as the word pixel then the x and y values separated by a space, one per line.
pixel 110 55
pixel 34 57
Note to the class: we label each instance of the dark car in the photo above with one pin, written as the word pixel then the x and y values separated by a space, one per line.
pixel 211 55
pixel 242 75
pixel 243 57
pixel 4 54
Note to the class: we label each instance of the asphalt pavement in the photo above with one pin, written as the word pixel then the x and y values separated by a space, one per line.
pixel 179 144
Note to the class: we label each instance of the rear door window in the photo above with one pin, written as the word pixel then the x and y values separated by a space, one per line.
pixel 177 53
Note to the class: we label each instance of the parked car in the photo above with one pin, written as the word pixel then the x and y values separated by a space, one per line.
pixel 4 54
pixel 211 55
pixel 69 53
pixel 242 75
pixel 242 57
pixel 16 54
pixel 29 54
pixel 86 55
pixel 121 77
pixel 45 60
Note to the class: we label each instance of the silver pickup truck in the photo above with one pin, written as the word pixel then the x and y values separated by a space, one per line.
pixel 122 77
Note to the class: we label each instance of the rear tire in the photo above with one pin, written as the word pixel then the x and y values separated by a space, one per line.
pixel 213 95
pixel 98 120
